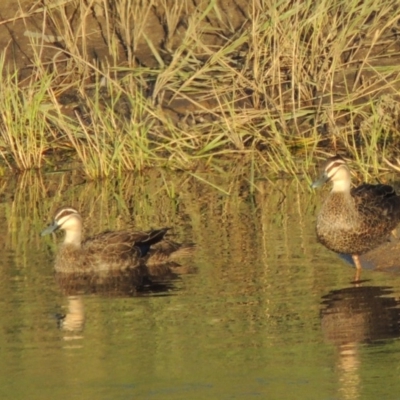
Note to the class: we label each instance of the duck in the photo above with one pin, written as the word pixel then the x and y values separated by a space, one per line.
pixel 110 250
pixel 354 220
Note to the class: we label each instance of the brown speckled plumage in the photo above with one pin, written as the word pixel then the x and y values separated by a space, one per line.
pixel 354 221
pixel 110 250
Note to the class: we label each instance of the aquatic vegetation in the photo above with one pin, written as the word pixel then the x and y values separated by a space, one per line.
pixel 121 86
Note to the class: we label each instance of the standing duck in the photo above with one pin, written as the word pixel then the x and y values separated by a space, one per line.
pixel 354 220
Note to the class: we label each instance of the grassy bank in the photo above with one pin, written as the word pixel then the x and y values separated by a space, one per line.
pixel 278 82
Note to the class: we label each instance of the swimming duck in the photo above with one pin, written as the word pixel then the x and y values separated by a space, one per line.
pixel 110 250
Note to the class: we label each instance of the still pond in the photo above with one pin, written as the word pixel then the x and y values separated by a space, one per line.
pixel 260 311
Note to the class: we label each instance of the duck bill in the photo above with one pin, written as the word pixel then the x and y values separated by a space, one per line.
pixel 320 181
pixel 50 229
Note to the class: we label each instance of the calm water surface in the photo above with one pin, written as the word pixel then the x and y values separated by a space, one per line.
pixel 260 311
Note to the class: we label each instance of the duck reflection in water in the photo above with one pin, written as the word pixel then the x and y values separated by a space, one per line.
pixel 354 316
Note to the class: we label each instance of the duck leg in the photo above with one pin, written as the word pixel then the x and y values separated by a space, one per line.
pixel 357 263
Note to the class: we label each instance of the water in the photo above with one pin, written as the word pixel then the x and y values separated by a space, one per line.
pixel 260 311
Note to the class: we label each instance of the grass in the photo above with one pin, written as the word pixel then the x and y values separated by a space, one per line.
pixel 121 86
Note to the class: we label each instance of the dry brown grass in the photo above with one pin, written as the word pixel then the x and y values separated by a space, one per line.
pixel 177 86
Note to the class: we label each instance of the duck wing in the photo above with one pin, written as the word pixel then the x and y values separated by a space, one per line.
pixel 368 191
pixel 377 200
pixel 124 244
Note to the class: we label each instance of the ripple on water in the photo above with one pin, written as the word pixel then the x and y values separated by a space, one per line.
pixel 261 311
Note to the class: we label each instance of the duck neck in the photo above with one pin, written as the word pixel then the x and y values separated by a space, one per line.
pixel 342 186
pixel 73 237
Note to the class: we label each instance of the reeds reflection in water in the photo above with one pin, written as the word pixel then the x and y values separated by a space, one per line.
pixel 250 296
